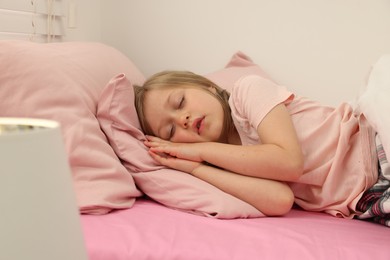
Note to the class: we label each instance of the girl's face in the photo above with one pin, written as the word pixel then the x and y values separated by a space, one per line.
pixel 184 114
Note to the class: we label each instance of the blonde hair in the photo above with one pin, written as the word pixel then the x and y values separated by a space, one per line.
pixel 171 79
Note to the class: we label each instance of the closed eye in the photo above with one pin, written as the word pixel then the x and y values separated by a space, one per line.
pixel 181 103
pixel 172 131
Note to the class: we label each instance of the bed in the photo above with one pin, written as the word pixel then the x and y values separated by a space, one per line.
pixel 131 207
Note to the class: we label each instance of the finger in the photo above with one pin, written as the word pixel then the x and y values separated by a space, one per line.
pixel 154 138
pixel 149 137
pixel 159 149
pixel 148 143
pixel 155 156
pixel 164 150
pixel 163 160
pixel 153 144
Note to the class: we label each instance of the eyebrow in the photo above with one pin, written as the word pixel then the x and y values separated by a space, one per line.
pixel 168 101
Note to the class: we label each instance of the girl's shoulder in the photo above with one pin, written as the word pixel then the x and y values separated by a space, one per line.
pixel 253 79
pixel 255 87
pixel 253 97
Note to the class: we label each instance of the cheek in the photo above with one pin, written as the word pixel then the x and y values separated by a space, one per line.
pixel 150 121
pixel 180 137
pixel 151 111
pixel 184 136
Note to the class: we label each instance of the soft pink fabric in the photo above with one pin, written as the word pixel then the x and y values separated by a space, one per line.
pixel 251 99
pixel 151 231
pixel 238 66
pixel 339 149
pixel 118 119
pixel 62 82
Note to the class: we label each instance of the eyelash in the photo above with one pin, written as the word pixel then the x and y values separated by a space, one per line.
pixel 172 131
pixel 181 102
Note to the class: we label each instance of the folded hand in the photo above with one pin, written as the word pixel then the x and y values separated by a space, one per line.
pixel 187 151
pixel 179 156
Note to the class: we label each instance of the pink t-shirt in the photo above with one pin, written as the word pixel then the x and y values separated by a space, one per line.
pixel 338 146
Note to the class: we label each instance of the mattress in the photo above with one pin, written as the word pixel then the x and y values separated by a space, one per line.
pixel 151 231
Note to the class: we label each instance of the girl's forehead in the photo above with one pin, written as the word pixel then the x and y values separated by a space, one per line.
pixel 157 93
pixel 166 89
pixel 178 86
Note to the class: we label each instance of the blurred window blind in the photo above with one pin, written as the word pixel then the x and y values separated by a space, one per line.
pixel 33 20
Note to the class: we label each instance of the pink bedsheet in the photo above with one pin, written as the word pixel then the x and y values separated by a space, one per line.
pixel 152 231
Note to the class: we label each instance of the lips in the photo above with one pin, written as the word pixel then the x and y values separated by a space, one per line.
pixel 197 125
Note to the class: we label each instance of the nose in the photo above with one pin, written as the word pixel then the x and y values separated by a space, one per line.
pixel 183 120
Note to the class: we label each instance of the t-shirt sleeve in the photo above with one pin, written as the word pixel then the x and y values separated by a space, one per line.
pixel 253 97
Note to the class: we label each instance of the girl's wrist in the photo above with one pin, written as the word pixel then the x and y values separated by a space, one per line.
pixel 201 167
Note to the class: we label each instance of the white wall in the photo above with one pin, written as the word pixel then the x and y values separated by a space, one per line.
pixel 88 20
pixel 319 48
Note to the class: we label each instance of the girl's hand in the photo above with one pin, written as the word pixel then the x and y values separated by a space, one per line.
pixel 175 163
pixel 186 151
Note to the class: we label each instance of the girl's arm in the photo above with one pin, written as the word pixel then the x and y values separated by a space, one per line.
pixel 272 198
pixel 279 157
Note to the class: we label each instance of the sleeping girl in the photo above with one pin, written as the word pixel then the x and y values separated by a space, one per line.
pixel 263 144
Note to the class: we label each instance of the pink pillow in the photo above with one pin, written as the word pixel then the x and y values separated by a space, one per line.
pixel 239 65
pixel 118 119
pixel 62 82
